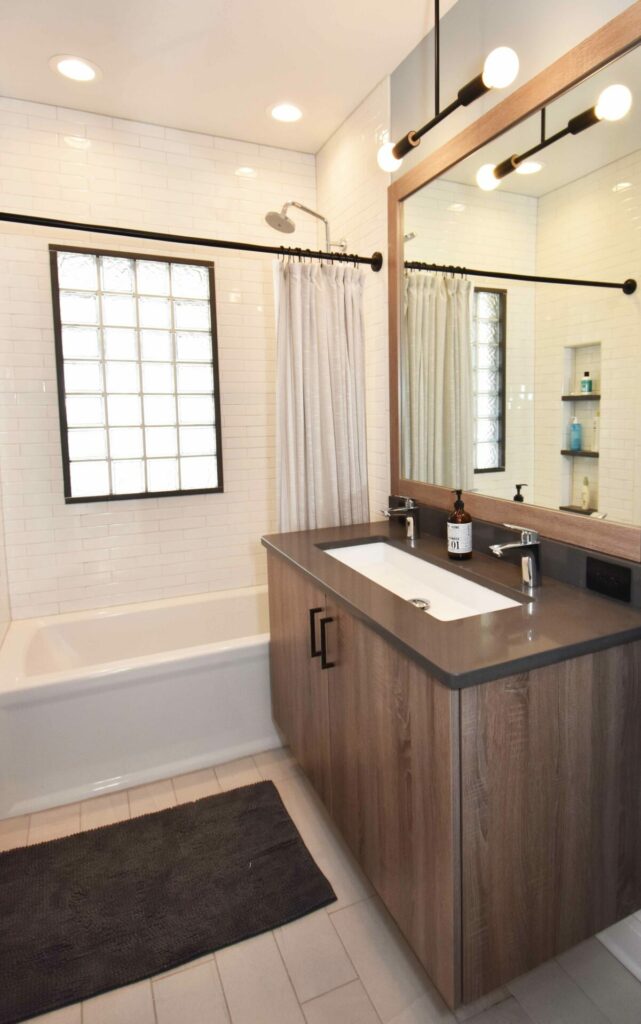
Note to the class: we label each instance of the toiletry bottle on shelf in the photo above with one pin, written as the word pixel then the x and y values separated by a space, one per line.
pixel 596 423
pixel 585 494
pixel 586 383
pixel 518 496
pixel 576 435
pixel 459 530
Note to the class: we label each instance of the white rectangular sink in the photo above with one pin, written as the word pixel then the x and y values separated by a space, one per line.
pixel 450 596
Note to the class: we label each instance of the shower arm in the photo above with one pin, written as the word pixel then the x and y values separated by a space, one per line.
pixel 341 244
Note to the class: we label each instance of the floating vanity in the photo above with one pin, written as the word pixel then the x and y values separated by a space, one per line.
pixel 483 767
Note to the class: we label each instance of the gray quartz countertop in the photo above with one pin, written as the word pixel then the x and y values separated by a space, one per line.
pixel 558 622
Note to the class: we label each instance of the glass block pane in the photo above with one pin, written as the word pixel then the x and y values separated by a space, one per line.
pixel 488 381
pixel 198 472
pixel 487 430
pixel 118 310
pixel 194 377
pixel 128 477
pixel 159 410
pixel 80 343
pixel 83 376
pixel 189 281
pixel 161 441
pixel 191 316
pixel 487 357
pixel 162 475
pixel 87 444
pixel 154 312
pixel 124 411
pixel 487 407
pixel 117 274
pixel 78 308
pixel 197 441
pixel 77 270
pixel 120 343
pixel 487 455
pixel 488 305
pixel 89 479
pixel 85 410
pixel 156 345
pixel 153 277
pixel 157 377
pixel 195 409
pixel 123 378
pixel 487 332
pixel 193 346
pixel 126 443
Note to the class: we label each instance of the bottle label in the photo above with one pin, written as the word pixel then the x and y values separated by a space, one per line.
pixel 459 538
pixel 586 384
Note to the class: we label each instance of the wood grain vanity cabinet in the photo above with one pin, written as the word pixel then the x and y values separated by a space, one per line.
pixel 500 824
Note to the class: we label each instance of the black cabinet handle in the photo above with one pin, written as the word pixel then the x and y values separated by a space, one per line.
pixel 313 612
pixel 323 625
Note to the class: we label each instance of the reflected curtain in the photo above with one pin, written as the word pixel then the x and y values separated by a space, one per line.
pixel 320 396
pixel 437 426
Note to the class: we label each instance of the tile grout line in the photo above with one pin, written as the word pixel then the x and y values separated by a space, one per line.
pixel 153 999
pixel 282 958
pixel 365 989
pixel 222 987
pixel 606 1016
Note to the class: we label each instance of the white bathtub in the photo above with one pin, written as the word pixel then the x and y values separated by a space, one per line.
pixel 97 701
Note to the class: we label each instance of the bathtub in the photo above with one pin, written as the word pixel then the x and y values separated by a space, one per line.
pixel 93 702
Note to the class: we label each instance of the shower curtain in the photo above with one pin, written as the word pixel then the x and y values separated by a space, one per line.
pixel 437 424
pixel 320 396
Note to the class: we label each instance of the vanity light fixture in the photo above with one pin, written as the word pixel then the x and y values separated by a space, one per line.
pixel 76 68
pixel 287 112
pixel 613 104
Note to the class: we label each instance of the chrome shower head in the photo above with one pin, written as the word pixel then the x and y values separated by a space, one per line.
pixel 280 221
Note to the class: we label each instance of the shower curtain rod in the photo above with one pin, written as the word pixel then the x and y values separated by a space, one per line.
pixel 375 261
pixel 628 287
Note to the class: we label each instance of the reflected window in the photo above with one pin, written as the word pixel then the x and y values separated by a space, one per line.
pixel 137 375
pixel 488 345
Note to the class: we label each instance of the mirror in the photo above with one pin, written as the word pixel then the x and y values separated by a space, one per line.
pixel 511 386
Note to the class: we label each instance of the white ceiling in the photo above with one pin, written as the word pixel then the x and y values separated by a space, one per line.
pixel 212 65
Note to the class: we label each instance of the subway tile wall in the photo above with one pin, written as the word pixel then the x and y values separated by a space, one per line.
pixel 72 165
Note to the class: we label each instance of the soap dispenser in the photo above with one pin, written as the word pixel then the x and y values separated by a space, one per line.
pixel 518 496
pixel 459 530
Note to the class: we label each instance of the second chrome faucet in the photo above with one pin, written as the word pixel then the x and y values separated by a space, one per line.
pixel 530 546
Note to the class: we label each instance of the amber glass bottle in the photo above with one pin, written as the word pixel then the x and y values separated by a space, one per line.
pixel 459 530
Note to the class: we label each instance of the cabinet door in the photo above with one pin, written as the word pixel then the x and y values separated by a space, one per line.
pixel 394 757
pixel 298 684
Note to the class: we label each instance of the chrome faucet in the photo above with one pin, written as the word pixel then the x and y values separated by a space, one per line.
pixel 530 545
pixel 409 511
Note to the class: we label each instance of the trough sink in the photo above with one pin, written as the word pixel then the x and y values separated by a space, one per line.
pixel 442 594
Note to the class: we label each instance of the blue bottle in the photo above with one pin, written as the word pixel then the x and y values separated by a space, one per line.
pixel 576 436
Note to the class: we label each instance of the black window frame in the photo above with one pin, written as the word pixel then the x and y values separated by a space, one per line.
pixel 502 293
pixel 60 376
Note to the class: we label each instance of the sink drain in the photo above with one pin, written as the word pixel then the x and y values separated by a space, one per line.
pixel 419 602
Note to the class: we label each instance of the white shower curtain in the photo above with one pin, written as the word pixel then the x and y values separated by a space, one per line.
pixel 320 396
pixel 437 423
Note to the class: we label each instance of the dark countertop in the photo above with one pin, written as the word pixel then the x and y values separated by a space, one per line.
pixel 558 622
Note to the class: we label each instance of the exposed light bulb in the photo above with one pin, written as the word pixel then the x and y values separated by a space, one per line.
pixel 501 68
pixel 613 103
pixel 386 159
pixel 486 179
pixel 529 167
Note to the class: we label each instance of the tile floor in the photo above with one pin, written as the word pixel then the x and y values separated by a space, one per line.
pixel 346 964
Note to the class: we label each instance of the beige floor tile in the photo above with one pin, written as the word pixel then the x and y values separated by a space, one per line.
pixel 347 1005
pixel 615 991
pixel 507 1012
pixel 104 810
pixel 54 824
pixel 550 996
pixel 68 1015
pixel 195 785
pixel 314 955
pixel 256 985
pixel 13 832
pixel 464 1013
pixel 237 773
pixel 393 978
pixel 157 796
pixel 185 967
pixel 130 1005
pixel 194 996
pixel 275 764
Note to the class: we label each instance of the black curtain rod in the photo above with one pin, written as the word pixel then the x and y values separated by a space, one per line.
pixel 628 287
pixel 375 261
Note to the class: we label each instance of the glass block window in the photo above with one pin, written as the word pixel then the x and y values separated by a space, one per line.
pixel 137 375
pixel 488 345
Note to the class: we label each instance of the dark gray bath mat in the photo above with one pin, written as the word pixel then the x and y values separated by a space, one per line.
pixel 101 909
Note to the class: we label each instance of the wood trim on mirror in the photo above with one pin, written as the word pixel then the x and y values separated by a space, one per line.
pixel 617 37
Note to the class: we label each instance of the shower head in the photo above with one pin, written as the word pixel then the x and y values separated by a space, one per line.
pixel 280 221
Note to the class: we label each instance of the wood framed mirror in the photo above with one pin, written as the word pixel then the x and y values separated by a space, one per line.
pixel 542 359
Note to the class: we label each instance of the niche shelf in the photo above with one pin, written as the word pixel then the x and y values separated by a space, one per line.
pixel 577 358
pixel 579 454
pixel 586 396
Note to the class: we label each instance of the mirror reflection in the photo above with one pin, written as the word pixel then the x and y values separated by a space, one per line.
pixel 520 388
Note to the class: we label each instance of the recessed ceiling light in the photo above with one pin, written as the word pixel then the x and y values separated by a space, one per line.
pixel 286 112
pixel 77 141
pixel 456 207
pixel 622 186
pixel 77 68
pixel 529 167
pixel 245 172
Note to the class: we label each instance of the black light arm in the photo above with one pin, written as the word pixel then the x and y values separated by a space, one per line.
pixel 575 125
pixel 470 92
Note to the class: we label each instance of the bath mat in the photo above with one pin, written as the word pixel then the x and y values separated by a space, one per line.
pixel 105 908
